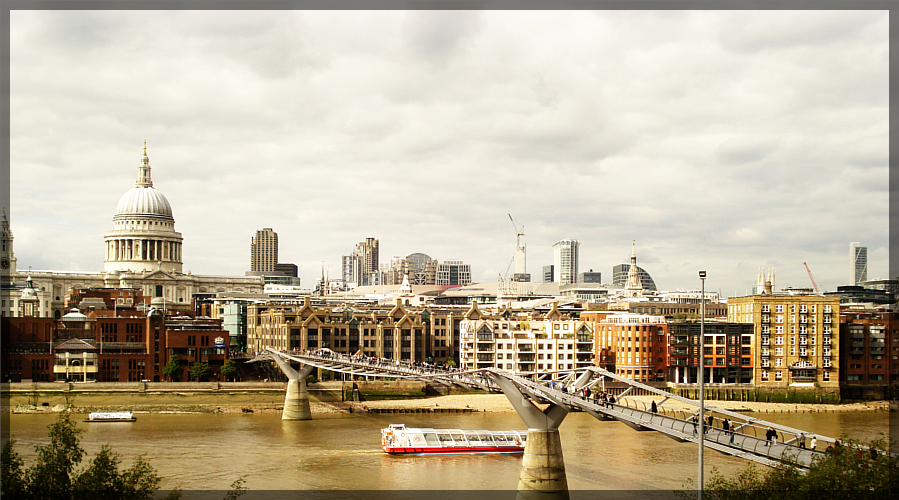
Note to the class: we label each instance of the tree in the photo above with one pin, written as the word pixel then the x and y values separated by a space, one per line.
pixel 173 369
pixel 229 369
pixel 54 473
pixel 200 371
pixel 850 470
pixel 450 363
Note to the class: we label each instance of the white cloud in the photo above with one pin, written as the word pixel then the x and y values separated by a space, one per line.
pixel 724 140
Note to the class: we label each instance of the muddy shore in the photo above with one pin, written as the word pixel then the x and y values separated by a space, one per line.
pixel 451 403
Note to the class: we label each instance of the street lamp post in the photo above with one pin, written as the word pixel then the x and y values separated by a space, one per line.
pixel 701 377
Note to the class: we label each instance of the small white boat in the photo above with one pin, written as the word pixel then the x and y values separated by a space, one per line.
pixel 396 439
pixel 111 416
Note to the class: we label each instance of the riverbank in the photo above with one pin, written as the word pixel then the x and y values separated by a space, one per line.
pixel 450 404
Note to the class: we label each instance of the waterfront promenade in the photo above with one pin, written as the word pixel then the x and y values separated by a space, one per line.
pixel 326 397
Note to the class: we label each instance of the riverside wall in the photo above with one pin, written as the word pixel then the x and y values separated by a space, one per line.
pixel 109 394
pixel 162 394
pixel 741 392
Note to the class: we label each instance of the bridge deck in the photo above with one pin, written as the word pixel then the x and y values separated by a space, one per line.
pixel 743 442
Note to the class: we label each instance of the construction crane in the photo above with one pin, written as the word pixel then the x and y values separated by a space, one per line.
pixel 520 253
pixel 811 277
pixel 519 232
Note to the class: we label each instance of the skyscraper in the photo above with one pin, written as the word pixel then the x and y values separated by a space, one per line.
pixel 264 250
pixel 361 267
pixel 565 260
pixel 858 260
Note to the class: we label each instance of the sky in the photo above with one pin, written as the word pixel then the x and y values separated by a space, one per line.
pixel 726 141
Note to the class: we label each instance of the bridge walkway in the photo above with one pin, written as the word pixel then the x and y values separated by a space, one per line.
pixel 677 424
pixel 743 441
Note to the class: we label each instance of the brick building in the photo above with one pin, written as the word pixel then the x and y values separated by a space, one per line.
pixel 869 346
pixel 99 347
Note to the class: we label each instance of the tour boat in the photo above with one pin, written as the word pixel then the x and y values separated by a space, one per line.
pixel 397 439
pixel 111 416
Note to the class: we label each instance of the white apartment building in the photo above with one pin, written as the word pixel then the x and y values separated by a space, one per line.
pixel 526 346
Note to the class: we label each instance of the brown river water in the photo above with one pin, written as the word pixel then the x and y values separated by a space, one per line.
pixel 342 451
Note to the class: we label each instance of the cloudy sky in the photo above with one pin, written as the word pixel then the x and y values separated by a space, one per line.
pixel 725 141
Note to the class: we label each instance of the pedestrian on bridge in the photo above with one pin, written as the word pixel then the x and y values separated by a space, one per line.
pixel 653 408
pixel 770 436
pixel 695 420
pixel 727 432
pixel 711 422
pixel 802 440
pixel 814 442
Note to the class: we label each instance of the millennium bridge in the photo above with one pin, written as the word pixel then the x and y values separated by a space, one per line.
pixel 542 403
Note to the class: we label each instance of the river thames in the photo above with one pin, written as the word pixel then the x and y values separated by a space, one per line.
pixel 342 451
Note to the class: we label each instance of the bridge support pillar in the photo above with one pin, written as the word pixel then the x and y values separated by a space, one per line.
pixel 296 401
pixel 542 473
pixel 542 466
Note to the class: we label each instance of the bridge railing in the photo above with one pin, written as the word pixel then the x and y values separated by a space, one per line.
pixel 747 439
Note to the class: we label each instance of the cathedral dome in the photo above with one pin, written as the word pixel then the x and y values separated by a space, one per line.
pixel 145 201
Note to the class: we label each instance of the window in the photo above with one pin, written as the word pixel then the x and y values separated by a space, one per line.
pixel 778 375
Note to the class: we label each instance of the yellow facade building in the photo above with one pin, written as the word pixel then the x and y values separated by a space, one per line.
pixel 796 339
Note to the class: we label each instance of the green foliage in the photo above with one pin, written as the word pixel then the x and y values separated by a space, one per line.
pixel 173 369
pixel 851 470
pixel 50 476
pixel 200 371
pixel 54 473
pixel 12 477
pixel 229 369
pixel 685 316
pixel 450 363
pixel 237 489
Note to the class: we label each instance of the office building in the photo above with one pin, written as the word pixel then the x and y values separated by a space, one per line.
pixel 726 352
pixel 589 277
pixel 858 261
pixel 565 260
pixel 549 274
pixel 264 250
pixel 454 273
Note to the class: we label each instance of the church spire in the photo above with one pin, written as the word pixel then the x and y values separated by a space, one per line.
pixel 143 177
pixel 634 285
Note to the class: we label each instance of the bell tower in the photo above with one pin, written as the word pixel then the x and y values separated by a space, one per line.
pixel 7 256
